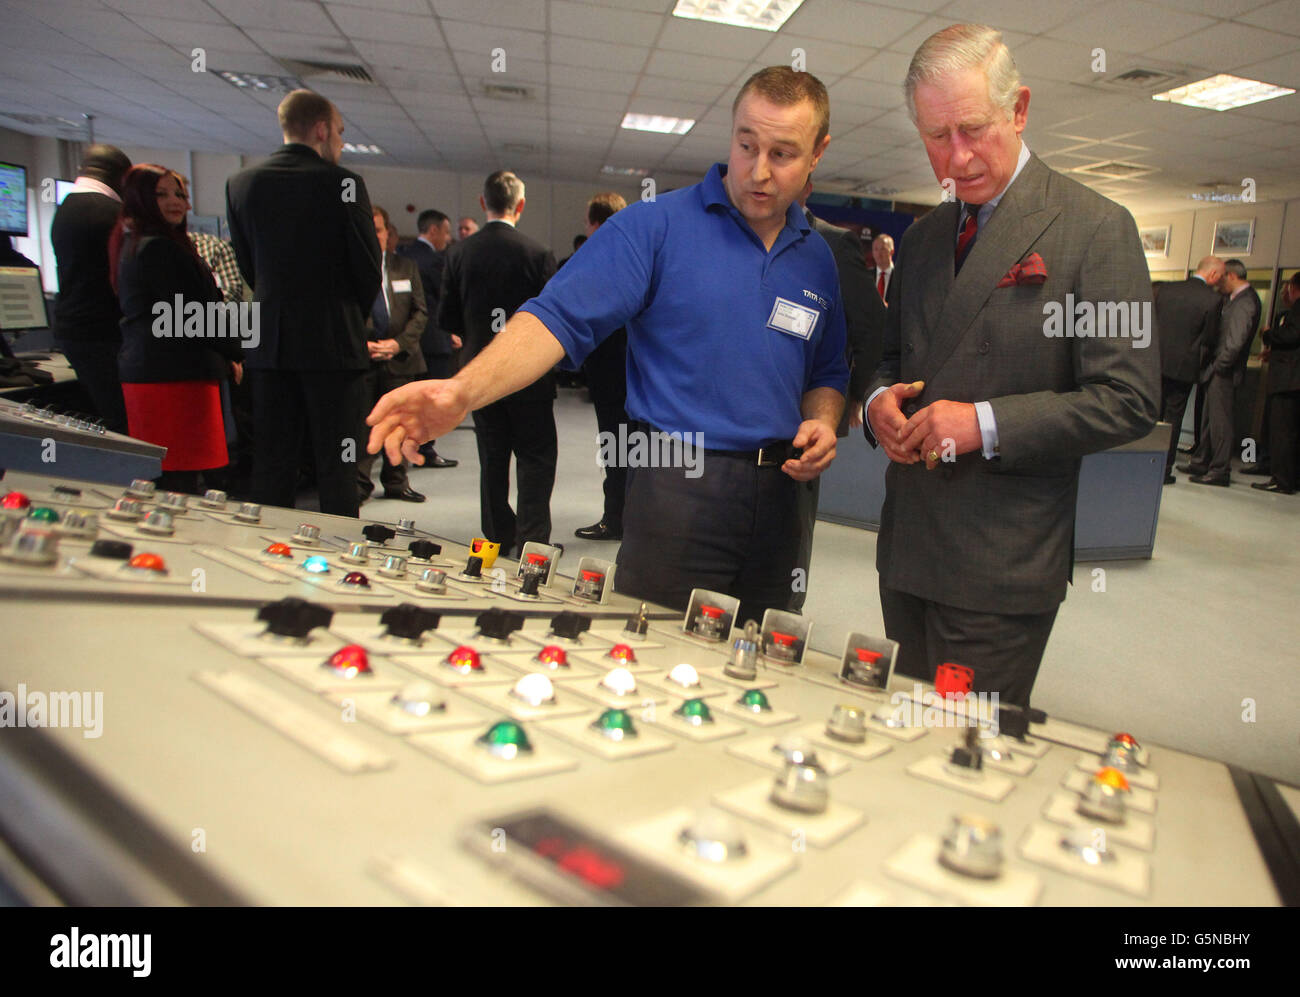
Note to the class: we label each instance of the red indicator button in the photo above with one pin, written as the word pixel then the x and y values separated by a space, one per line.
pixel 622 652
pixel 1113 778
pixel 465 660
pixel 1128 739
pixel 350 661
pixel 868 656
pixel 953 680
pixel 476 546
pixel 15 500
pixel 782 640
pixel 712 612
pixel 592 867
pixel 537 559
pixel 280 550
pixel 553 655
pixel 148 562
pixel 356 578
pixel 592 576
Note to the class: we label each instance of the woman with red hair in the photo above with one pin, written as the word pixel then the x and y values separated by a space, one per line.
pixel 171 381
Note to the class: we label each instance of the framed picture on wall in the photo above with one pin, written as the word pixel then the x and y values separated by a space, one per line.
pixel 1233 238
pixel 1155 241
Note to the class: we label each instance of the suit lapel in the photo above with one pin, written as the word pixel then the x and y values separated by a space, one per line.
pixel 936 255
pixel 1020 218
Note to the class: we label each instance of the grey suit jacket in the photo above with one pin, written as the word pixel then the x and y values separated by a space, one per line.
pixel 407 315
pixel 1237 327
pixel 997 535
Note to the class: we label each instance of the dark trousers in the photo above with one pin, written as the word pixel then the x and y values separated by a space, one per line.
pixel 1004 652
pixel 1214 452
pixel 439 366
pixel 327 408
pixel 1173 406
pixel 606 368
pixel 526 431
pixel 392 476
pixel 734 529
pixel 95 363
pixel 1284 433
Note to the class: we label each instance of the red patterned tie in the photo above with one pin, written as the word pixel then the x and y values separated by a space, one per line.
pixel 967 234
pixel 880 286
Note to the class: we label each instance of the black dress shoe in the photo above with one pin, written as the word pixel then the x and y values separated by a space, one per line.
pixel 1195 469
pixel 436 461
pixel 1170 479
pixel 405 495
pixel 1258 471
pixel 1273 486
pixel 597 531
pixel 1205 479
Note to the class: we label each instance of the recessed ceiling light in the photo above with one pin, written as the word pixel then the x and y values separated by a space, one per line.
pixel 364 150
pixel 765 15
pixel 1222 93
pixel 658 123
pixel 260 81
pixel 624 171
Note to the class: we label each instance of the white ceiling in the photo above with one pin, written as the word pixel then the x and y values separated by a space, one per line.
pixel 128 62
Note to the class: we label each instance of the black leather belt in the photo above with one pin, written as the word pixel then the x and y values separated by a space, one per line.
pixel 772 454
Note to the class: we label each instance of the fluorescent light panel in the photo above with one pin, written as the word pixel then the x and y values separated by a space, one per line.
pixel 658 123
pixel 365 150
pixel 1222 93
pixel 764 15
pixel 624 171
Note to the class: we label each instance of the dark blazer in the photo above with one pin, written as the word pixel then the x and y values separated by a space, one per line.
pixel 873 273
pixel 407 316
pixel 304 235
pixel 1237 325
pixel 996 536
pixel 87 307
pixel 864 313
pixel 156 272
pixel 1283 341
pixel 495 270
pixel 1187 326
pixel 435 341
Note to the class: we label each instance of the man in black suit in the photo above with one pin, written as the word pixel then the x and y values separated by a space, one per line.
pixel 86 312
pixel 1211 461
pixel 1187 326
pixel 488 277
pixel 429 252
pixel 882 255
pixel 304 235
pixel 393 330
pixel 1283 389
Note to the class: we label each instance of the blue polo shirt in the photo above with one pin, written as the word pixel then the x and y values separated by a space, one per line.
pixel 724 336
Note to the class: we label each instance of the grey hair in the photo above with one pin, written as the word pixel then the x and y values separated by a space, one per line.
pixel 1236 268
pixel 961 47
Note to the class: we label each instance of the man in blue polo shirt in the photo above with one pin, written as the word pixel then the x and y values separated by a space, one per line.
pixel 735 343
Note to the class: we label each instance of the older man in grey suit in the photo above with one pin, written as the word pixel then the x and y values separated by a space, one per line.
pixel 994 382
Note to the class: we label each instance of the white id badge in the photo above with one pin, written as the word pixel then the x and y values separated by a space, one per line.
pixel 401 287
pixel 792 318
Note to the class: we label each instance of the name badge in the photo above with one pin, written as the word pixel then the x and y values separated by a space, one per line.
pixel 791 318
pixel 401 287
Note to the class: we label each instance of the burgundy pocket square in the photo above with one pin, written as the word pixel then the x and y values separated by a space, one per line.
pixel 1030 270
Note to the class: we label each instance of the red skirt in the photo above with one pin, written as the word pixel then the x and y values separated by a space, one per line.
pixel 184 417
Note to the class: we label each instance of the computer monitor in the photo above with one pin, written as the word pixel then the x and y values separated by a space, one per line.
pixel 13 199
pixel 22 300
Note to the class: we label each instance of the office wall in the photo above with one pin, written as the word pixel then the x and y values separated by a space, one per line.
pixel 1276 239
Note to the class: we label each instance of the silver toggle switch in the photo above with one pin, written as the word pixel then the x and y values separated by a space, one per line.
pixel 356 554
pixel 432 580
pixel 394 566
pixel 307 534
pixel 126 509
pixel 140 488
pixel 157 523
pixel 743 663
pixel 249 512
pixel 173 500
pixel 34 547
pixel 214 498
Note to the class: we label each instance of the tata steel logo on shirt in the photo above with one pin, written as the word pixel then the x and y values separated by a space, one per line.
pixel 816 297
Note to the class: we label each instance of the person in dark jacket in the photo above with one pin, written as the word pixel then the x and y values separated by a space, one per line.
pixel 171 363
pixel 1283 388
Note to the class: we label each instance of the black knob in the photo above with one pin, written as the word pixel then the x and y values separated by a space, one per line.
pixel 528 586
pixel 293 617
pixel 67 490
pixel 424 549
pixel 378 533
pixel 639 622
pixel 498 623
pixel 474 567
pixel 409 621
pixel 118 550
pixel 570 625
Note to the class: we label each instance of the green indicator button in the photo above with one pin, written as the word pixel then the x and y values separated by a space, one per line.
pixel 44 514
pixel 505 739
pixel 695 712
pixel 756 700
pixel 615 724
